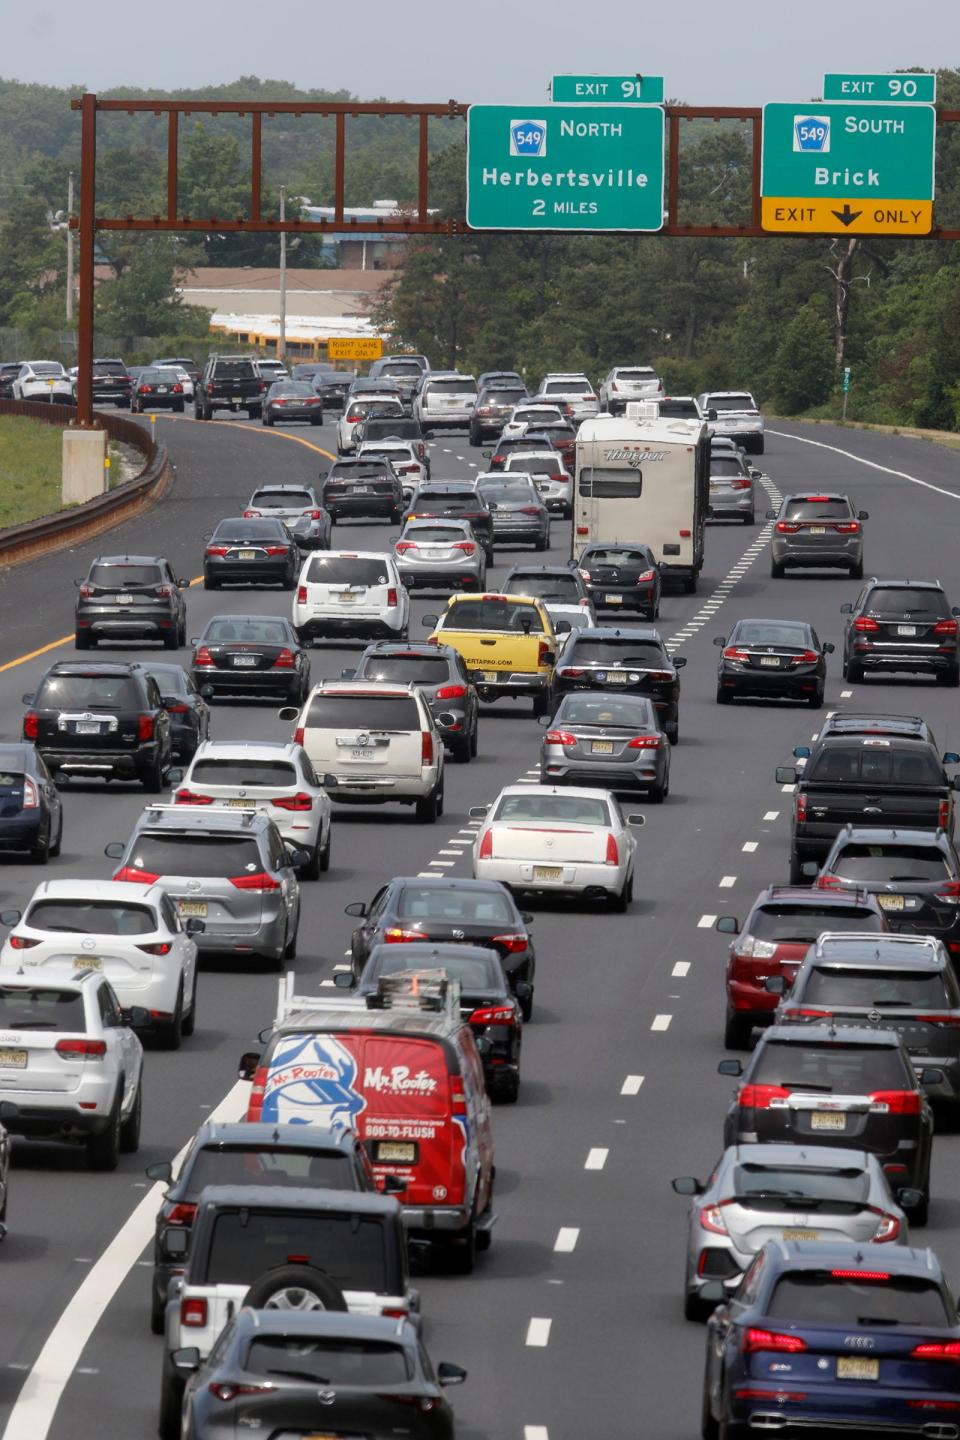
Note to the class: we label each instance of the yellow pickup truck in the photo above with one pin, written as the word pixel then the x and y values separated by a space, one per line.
pixel 507 642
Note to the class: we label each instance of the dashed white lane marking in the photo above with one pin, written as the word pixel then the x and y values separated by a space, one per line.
pixel 871 464
pixel 596 1159
pixel 566 1241
pixel 456 842
pixel 424 874
pixel 343 967
pixel 535 1432
pixel 748 846
pixel 538 1331
pixel 846 694
pixel 727 882
pixel 681 968
pixel 771 815
pixel 788 789
pixel 661 1022
pixel 631 1086
pixel 706 922
pixel 448 852
pixel 443 864
pixel 326 982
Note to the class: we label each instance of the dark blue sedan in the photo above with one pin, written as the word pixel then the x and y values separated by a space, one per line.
pixel 834 1338
pixel 31 814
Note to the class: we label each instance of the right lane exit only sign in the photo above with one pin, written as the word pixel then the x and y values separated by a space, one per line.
pixel 857 169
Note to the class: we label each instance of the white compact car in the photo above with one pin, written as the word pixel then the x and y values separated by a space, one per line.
pixel 44 380
pixel 71 1063
pixel 350 592
pixel 575 841
pixel 404 459
pixel 373 742
pixel 276 779
pixel 131 934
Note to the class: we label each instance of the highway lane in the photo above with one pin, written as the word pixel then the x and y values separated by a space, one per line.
pixel 603 982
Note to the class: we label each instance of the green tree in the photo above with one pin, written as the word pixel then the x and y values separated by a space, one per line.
pixel 803 371
pixel 143 301
pixel 30 259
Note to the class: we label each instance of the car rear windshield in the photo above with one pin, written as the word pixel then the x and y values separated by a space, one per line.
pixel 347 570
pixel 249 530
pixel 329 1362
pixel 385 429
pixel 41 1008
pixel 360 409
pixel 553 809
pixel 535 464
pixel 753 632
pixel 911 989
pixel 88 692
pixel 494 615
pixel 550 587
pixel 877 763
pixel 502 395
pixel 205 856
pixel 293 388
pixel 891 861
pixel 513 492
pixel 473 907
pixel 51 369
pixel 230 771
pixel 636 372
pixel 268 1165
pixel 679 410
pixel 902 601
pixel 247 632
pixel 420 669
pixel 646 654
pixel 435 534
pixel 635 715
pixel 721 465
pixel 234 370
pixel 464 385
pixel 536 413
pixel 92 917
pixel 363 712
pixel 836 1068
pixel 349 1248
pixel 806 922
pixel 787 1187
pixel 473 971
pixel 820 1297
pixel 618 557
pixel 731 402
pixel 120 575
pixel 409 368
pixel 109 367
pixel 284 499
pixel 568 387
pixel 360 470
pixel 816 508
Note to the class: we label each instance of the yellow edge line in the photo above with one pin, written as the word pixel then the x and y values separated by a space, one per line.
pixel 197 579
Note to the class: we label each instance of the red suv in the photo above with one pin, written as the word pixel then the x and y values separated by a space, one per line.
pixel 782 925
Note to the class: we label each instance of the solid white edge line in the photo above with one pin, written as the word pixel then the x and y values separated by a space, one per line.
pixel 871 464
pixel 535 1432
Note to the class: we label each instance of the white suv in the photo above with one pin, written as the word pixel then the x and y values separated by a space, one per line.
pixel 131 934
pixel 576 390
pixel 736 414
pixel 70 1063
pixel 350 592
pixel 372 742
pixel 629 382
pixel 445 400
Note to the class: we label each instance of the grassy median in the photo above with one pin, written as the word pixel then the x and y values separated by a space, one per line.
pixel 30 468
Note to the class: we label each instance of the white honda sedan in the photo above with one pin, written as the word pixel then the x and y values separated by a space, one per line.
pixel 572 840
pixel 131 934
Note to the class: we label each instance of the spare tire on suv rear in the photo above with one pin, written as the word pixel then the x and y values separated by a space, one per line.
pixel 295 1287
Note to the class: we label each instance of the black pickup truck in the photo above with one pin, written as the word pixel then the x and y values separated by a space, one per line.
pixel 229 382
pixel 875 780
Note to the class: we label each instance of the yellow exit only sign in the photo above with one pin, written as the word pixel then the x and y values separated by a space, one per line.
pixel 353 348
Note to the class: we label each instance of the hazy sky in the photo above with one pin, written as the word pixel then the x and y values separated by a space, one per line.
pixel 710 51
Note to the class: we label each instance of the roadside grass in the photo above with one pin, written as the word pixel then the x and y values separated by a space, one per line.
pixel 31 460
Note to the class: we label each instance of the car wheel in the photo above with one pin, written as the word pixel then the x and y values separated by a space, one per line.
pixel 311 871
pixel 103 1151
pixel 526 1008
pixel 816 700
pixel 152 779
pixel 693 1307
pixel 723 696
pixel 776 569
pixel 210 584
pixel 474 742
pixel 507 1094
pixel 463 1252
pixel 621 900
pixel 673 733
pixel 709 1429
pixel 171 1033
pixel 171 1402
pixel 267 420
pixel 730 1430
pixel 289 581
pixel 189 1022
pixel 130 1128
pixel 462 751
pixel 297 1288
pixel 737 1030
pixel 541 705
pixel 426 809
pixel 657 794
pixel 290 948
pixel 949 678
pixel 41 854
pixel 178 407
pixel 854 672
pixel 856 571
pixel 157 1314
pixel 55 847
pixel 690 584
pixel 325 854
pixel 171 641
pixel 81 640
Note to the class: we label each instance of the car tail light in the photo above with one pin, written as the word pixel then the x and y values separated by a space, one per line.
pixel 494 1015
pixel 733 652
pixel 221 1390
pixel 85 591
pixel 396 935
pixel 31 725
pixel 177 709
pixel 209 389
pixel 277 549
pixel 529 509
pixel 513 944
pixel 284 660
pixel 451 692
pixel 217 549
pixel 392 595
pixel 298 735
pixel 945 627
pixel 164 591
pixel 193 1312
pixel 644 742
pixel 260 881
pixel 159 947
pixel 559 737
pixel 178 389
pixel 426 747
pixel 939 1017
pixel 251 514
pixel 143 390
pixel 800 807
pixel 31 795
pixel 949 892
pixel 646 575
pixel 660 675
pixel 887 1229
pixel 895 1102
pixel 583 530
pixel 570 672
pixel 402 546
pixel 802 1012
pixel 136 877
pixel 203 657
pixel 300 801
pixel 181 1214
pixel 301 594
pixel 847 527
pixel 613 854
pixel 458 1099
pixel 711 1218
pixel 785 527
pixel 486 852
pixel 543 650
pixel 313 514
pixel 740 484
pixel 878 1276
pixel 86 1049
pixel 255 1103
pixel 865 624
pixel 807 657
pixel 467 546
pixel 145 727
pixel 828 882
pixel 943 814
pixel 754 1339
pixel 936 1350
pixel 762 1097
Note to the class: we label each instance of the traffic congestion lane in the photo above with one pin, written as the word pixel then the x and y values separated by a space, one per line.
pixel 612 1033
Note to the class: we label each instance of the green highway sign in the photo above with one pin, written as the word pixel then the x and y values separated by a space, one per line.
pixel 856 169
pixel 604 89
pixel 565 167
pixel 916 88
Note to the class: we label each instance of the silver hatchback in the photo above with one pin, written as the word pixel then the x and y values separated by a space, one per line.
pixel 817 530
pixel 440 555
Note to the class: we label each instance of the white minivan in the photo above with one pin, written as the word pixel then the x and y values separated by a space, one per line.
pixel 350 592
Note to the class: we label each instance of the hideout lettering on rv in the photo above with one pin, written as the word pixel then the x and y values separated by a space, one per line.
pixel 635 457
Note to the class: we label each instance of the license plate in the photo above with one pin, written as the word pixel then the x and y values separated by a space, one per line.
pixel 857 1367
pixel 489 677
pixel 547 872
pixel 346 599
pixel 87 962
pixel 249 661
pixel 616 677
pixel 241 804
pixel 818 529
pixel 161 389
pixel 13 1059
pixel 601 747
pixel 613 600
pixel 361 489
pixel 122 599
pixel 906 629
pixel 236 400
pixel 828 1120
pixel 891 902
pixel 196 909
pixel 397 1151
pixel 247 554
pixel 361 754
pixel 771 660
pixel 87 727
pixel 800 1235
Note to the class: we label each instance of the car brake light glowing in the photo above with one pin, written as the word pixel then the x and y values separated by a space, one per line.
pixel 754 1340
pixel 144 727
pixel 259 881
pixel 251 514
pixel 177 709
pixel 137 877
pixel 762 1097
pixel 301 594
pixel 203 657
pixel 85 1049
pixel 847 527
pixel 402 546
pixel 733 652
pixel 426 747
pixel 181 1214
pixel 159 947
pixel 277 549
pixel 395 935
pixel 300 801
pixel 613 854
pixel 865 624
pixel 827 881
pixel 225 1391
pixel 559 737
pixel 486 846
pixel 878 1276
pixel 458 1099
pixel 22 942
pixel 392 595
pixel 644 742
pixel 451 692
pixel 785 527
pixel 217 549
pixel 86 591
pixel 949 892
pixel 895 1102
pixel 193 1312
pixel 943 814
pixel 313 514
pixel 570 672
pixel 945 627
pixel 467 546
pixel 936 1350
pixel 284 660
pixel 494 1015
pixel 800 807
pixel 298 735
pixel 31 725
pixel 800 1012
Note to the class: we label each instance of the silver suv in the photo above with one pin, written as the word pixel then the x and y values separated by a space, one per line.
pixel 445 400
pixel 229 868
pixel 629 382
pixel 734 413
pixel 817 530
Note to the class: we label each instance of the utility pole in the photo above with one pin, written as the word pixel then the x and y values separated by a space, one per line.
pixel 282 342
pixel 69 248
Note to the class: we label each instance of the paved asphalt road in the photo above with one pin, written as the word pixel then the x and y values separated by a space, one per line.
pixel 618 996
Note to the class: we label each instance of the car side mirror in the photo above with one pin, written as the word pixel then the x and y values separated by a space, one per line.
pixel 711 414
pixel 955 783
pixel 348 674
pixel 162 1171
pixel 175 776
pixel 523 990
pixel 247 1064
pixel 78 583
pixel 357 908
pixel 288 712
pixel 344 980
pixel 174 1240
pixel 909 1199
pixel 719 640
pixel 478 812
pixel 679 661
pixel 730 1067
pixel 322 474
pixel 187 1359
pixel 637 820
pixel 9 1110
pixel 687 1185
pixel 931 1075
pixel 562 627
pixel 207 692
pixel 486 454
pixel 801 752
pixel 136 1017
pixel 770 515
pixel 114 851
pixel 846 609
pixel 28 698
pixel 297 856
pixel 828 647
pixel 775 985
pixel 863 514
pixel 449 1374
pixel 955 610
pixel 950 757
pixel 526 917
pixel 429 622
pixel 10 917
pixel 727 925
pixel 786 774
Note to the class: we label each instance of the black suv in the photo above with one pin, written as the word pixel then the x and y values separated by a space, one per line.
pixel 131 596
pixel 361 489
pixel 627 661
pixel 865 780
pixel 111 381
pixel 440 674
pixel 229 382
pixel 901 625
pixel 827 1085
pixel 454 500
pixel 333 386
pixel 100 721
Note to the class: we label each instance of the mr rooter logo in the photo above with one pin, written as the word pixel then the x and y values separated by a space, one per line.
pixel 312 1081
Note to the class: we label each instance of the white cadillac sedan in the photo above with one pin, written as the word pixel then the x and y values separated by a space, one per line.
pixel 575 841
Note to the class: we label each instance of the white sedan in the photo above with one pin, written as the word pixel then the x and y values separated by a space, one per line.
pixel 132 934
pixel 572 840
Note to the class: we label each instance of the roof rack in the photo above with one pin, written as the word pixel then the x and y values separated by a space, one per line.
pixel 290 1003
pixel 419 990
pixel 878 938
pixel 247 813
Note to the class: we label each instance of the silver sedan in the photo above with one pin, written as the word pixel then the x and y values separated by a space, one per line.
pixel 440 555
pixel 599 739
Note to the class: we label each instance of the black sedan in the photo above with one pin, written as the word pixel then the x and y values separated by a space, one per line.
pixel 362 489
pixel 289 400
pixel 628 662
pixel 157 389
pixel 621 577
pixel 439 673
pixel 780 659
pixel 251 655
pixel 255 552
pixel 185 704
pixel 485 1001
pixel 31 812
pixel 471 912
